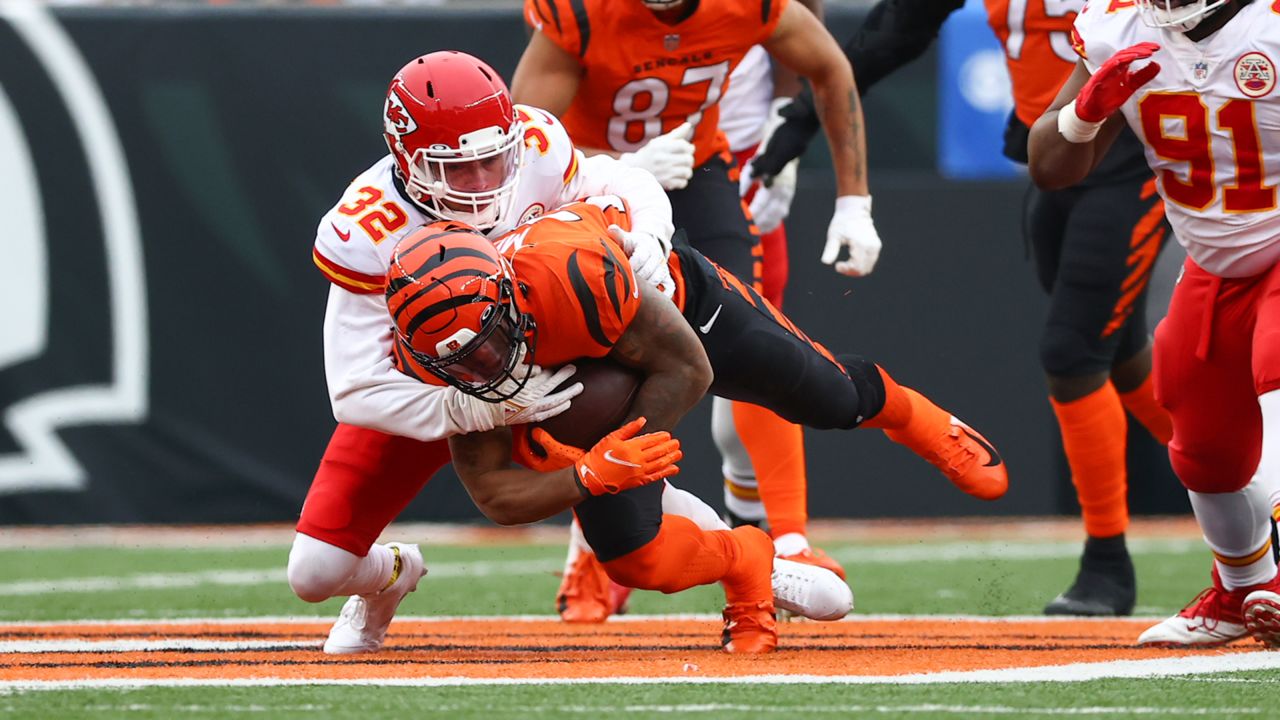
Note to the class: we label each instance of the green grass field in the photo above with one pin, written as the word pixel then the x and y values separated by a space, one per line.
pixel 948 576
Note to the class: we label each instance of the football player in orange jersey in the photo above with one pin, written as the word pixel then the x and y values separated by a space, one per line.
pixel 642 80
pixel 468 313
pixel 1095 246
pixel 1196 82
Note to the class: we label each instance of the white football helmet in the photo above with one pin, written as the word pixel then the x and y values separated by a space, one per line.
pixel 1180 15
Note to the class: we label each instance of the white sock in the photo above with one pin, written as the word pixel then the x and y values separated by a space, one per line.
pixel 1269 461
pixel 1238 525
pixel 318 570
pixel 736 466
pixel 790 544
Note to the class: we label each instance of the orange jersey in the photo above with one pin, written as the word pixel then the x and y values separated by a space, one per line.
pixel 1036 35
pixel 574 279
pixel 642 77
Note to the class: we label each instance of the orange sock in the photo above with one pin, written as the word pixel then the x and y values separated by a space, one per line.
pixel 776 448
pixel 898 407
pixel 684 556
pixel 1093 435
pixel 1141 403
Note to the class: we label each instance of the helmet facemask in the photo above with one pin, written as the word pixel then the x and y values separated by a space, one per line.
pixel 473 183
pixel 488 363
pixel 1179 15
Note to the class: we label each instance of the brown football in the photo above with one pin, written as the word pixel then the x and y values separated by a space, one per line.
pixel 608 390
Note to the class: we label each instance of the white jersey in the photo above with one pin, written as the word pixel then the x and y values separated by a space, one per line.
pixel 1210 121
pixel 744 108
pixel 353 248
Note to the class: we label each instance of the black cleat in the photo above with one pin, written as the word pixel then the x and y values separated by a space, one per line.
pixel 1104 586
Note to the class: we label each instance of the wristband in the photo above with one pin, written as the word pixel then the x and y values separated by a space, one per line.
pixel 1073 128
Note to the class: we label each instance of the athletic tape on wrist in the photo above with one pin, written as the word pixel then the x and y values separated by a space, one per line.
pixel 1073 128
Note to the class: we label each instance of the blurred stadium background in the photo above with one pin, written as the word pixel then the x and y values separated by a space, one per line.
pixel 162 169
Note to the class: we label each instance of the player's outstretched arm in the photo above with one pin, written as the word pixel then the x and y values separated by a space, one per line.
pixel 660 343
pixel 1069 140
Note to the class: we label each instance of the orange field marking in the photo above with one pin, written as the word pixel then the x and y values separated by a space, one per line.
pixel 508 649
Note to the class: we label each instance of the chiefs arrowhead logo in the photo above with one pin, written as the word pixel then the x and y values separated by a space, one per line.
pixel 396 118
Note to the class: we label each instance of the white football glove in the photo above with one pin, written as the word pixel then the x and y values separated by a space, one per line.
pixel 669 157
pixel 772 203
pixel 648 255
pixel 851 227
pixel 534 403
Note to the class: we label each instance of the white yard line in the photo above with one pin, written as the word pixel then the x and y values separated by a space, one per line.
pixel 1077 672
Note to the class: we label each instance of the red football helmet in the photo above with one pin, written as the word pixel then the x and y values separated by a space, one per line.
pixel 453 302
pixel 450 123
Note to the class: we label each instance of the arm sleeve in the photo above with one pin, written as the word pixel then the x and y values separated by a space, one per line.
pixel 366 390
pixel 603 175
pixel 894 33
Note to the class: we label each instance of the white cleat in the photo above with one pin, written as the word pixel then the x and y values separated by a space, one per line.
pixel 1262 617
pixel 1213 618
pixel 810 591
pixel 362 625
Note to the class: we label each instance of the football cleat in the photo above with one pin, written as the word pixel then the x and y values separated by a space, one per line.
pixel 810 591
pixel 362 624
pixel 1105 584
pixel 1214 617
pixel 969 461
pixel 750 628
pixel 817 558
pixel 1262 616
pixel 586 593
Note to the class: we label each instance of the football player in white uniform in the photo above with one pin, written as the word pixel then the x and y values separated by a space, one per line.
pixel 1196 80
pixel 458 150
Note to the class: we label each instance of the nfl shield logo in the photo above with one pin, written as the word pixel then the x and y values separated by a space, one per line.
pixel 671 42
pixel 1200 70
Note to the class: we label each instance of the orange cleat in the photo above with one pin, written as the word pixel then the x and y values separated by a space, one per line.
pixel 586 593
pixel 968 460
pixel 750 628
pixel 817 558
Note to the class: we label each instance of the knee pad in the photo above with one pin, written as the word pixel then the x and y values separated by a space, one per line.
pixel 1065 351
pixel 317 569
pixel 1206 469
pixel 866 379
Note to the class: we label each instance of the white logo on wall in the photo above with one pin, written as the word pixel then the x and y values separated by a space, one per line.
pixel 984 82
pixel 42 461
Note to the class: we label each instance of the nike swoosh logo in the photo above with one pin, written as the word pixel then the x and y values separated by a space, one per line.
pixel 707 328
pixel 994 457
pixel 343 236
pixel 608 455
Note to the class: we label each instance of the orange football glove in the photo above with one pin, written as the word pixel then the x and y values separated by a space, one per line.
pixel 558 455
pixel 623 460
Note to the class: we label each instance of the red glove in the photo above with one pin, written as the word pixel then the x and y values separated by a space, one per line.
pixel 623 460
pixel 1114 83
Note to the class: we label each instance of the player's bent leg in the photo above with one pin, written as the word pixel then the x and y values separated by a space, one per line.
pixel 365 479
